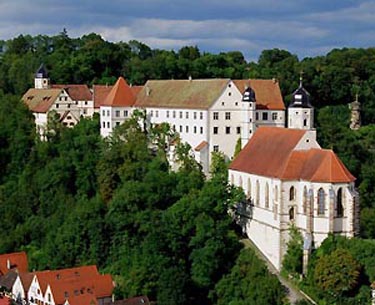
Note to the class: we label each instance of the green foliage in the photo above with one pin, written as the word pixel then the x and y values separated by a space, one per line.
pixel 337 273
pixel 249 282
pixel 292 261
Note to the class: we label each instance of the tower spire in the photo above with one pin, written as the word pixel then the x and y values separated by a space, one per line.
pixel 301 78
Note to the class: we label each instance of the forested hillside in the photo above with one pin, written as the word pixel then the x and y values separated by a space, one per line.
pixel 78 199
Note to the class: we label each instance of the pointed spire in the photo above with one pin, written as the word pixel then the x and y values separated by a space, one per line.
pixel 120 95
pixel 41 72
pixel 301 78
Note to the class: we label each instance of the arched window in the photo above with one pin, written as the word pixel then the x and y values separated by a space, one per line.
pixel 292 193
pixel 321 202
pixel 304 203
pixel 291 214
pixel 240 182
pixel 276 193
pixel 339 206
pixel 248 188
pixel 267 196
pixel 257 193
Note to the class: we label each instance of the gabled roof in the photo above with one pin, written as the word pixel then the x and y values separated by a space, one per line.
pixel 121 95
pixel 100 93
pixel 189 94
pixel 26 279
pixel 267 92
pixel 76 92
pixel 8 280
pixel 13 261
pixel 271 153
pixel 40 100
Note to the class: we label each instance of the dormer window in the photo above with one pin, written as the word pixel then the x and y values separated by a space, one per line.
pixel 298 98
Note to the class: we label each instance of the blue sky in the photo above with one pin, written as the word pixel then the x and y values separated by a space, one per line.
pixel 303 27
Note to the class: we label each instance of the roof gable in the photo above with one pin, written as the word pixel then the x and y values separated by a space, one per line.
pixel 187 94
pixel 76 92
pixel 121 95
pixel 267 92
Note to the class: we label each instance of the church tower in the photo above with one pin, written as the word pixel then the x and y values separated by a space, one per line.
pixel 248 115
pixel 300 110
pixel 41 80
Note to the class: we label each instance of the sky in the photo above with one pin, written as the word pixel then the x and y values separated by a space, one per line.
pixel 303 27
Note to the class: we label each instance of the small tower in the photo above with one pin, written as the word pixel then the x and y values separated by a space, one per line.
pixel 300 110
pixel 355 118
pixel 41 80
pixel 248 115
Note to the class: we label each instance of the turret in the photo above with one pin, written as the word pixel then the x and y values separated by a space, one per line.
pixel 355 118
pixel 248 115
pixel 300 110
pixel 41 80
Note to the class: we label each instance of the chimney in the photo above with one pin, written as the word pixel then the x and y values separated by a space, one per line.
pixel 148 91
pixel 190 78
pixel 8 264
pixel 274 80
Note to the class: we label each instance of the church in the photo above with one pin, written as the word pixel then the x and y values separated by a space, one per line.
pixel 289 180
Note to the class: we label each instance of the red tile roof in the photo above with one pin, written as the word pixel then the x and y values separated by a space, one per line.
pixel 13 261
pixel 267 93
pixel 76 92
pixel 271 153
pixel 121 95
pixel 201 145
pixel 82 299
pixel 100 93
pixel 4 300
pixel 40 100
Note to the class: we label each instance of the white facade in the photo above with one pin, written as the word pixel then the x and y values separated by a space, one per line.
pixel 301 118
pixel 18 292
pixel 111 117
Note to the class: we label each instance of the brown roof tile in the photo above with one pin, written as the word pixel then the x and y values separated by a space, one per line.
pixel 201 145
pixel 100 93
pixel 189 94
pixel 270 152
pixel 13 261
pixel 121 95
pixel 76 92
pixel 267 93
pixel 40 100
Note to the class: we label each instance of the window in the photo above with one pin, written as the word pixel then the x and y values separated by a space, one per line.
pixel 339 206
pixel 68 105
pixel 108 125
pixel 117 123
pixel 265 116
pixel 180 128
pixel 304 203
pixel 85 102
pixel 180 114
pixel 304 122
pixel 103 113
pixel 195 129
pixel 276 193
pixel 103 124
pixel 227 115
pixel 201 130
pixel 274 116
pixel 321 202
pixel 187 114
pixel 195 115
pixel 57 105
pixel 216 148
pixel 68 117
pixel 257 116
pixel 201 115
pixel 66 98
pixel 267 196
pixel 229 93
pixel 248 188
pixel 117 113
pixel 107 112
pixel 216 115
pixel 291 214
pixel 240 182
pixel 174 113
pixel 257 193
pixel 238 129
pixel 167 113
pixel 187 129
pixel 157 113
pixel 216 129
pixel 84 111
pixel 151 113
pixel 292 193
pixel 125 113
pixel 227 130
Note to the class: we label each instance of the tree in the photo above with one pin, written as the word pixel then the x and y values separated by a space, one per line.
pixel 292 261
pixel 337 273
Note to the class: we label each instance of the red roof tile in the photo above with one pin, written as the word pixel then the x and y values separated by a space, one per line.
pixel 267 92
pixel 4 300
pixel 201 145
pixel 121 95
pixel 82 299
pixel 100 93
pixel 76 92
pixel 270 153
pixel 13 261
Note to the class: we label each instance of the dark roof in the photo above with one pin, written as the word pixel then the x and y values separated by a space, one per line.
pixel 41 72
pixel 141 300
pixel 8 280
pixel 76 92
pixel 249 95
pixel 300 98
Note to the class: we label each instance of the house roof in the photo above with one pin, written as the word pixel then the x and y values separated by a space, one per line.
pixel 189 94
pixel 8 280
pixel 121 95
pixel 13 261
pixel 82 299
pixel 100 93
pixel 271 152
pixel 201 145
pixel 76 92
pixel 140 300
pixel 26 279
pixel 5 300
pixel 267 92
pixel 40 100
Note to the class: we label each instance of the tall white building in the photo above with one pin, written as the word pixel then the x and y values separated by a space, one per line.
pixel 209 114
